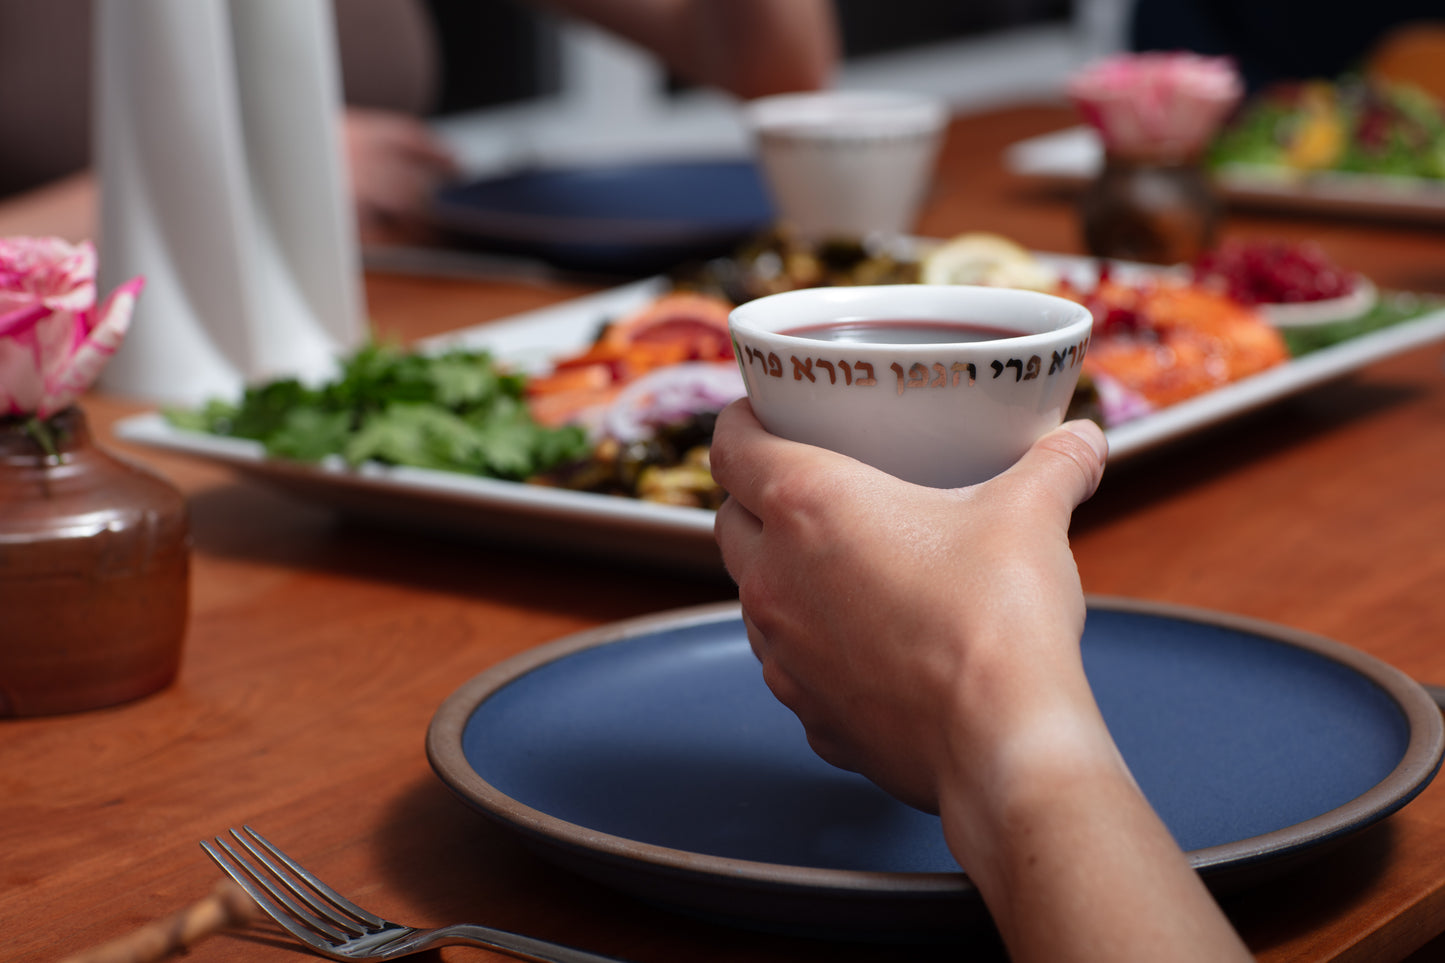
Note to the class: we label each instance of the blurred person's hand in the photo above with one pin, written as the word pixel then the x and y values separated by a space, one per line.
pixel 395 164
pixel 749 48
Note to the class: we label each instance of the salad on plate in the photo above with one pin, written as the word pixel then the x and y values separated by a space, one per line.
pixel 630 413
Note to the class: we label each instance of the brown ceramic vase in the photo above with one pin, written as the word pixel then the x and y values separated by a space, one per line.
pixel 94 574
pixel 1156 210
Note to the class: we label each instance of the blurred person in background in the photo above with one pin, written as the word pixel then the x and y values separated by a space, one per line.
pixel 393 70
pixel 1279 40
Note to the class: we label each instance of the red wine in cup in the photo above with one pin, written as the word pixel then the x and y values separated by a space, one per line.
pixel 900 331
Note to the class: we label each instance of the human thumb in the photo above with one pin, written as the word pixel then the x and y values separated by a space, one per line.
pixel 1067 463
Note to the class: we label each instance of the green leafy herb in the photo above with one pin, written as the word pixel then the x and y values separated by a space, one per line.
pixel 456 411
pixel 1389 309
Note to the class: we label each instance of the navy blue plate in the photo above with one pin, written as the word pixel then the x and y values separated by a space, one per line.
pixel 650 755
pixel 621 218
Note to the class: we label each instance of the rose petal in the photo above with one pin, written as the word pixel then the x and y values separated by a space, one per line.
pixel 21 386
pixel 22 320
pixel 1164 103
pixel 53 340
pixel 78 371
pixel 49 270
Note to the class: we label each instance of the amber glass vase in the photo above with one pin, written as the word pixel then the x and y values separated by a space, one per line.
pixel 94 573
pixel 1153 209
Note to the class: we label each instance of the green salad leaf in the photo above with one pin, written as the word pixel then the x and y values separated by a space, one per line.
pixel 1351 125
pixel 1390 309
pixel 457 411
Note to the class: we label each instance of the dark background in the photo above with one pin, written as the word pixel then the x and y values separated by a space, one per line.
pixel 497 51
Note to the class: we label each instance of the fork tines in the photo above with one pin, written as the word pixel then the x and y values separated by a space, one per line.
pixel 313 912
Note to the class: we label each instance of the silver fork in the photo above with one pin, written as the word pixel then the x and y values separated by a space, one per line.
pixel 334 926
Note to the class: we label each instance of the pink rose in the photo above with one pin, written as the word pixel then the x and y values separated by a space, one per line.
pixel 53 340
pixel 1157 103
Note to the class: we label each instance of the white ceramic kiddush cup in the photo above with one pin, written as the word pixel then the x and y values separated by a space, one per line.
pixel 940 413
pixel 847 164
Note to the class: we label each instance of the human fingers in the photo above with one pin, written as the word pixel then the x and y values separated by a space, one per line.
pixel 738 441
pixel 736 531
pixel 772 477
pixel 1066 464
pixel 401 135
pixel 425 149
pixel 795 695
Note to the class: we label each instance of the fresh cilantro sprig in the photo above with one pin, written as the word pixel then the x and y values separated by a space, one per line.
pixel 457 411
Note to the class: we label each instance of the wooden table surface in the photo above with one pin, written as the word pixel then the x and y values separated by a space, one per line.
pixel 319 648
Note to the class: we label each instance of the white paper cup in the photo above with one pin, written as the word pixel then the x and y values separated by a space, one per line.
pixel 940 414
pixel 847 164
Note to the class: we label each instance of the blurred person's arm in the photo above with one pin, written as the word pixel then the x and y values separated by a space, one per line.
pixel 748 47
pixel 64 208
pixel 929 639
pixel 393 164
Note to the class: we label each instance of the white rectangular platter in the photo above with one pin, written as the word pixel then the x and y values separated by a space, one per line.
pixel 1073 155
pixel 623 529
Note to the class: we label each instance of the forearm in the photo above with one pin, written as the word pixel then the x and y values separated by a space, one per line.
pixel 1072 861
pixel 930 640
pixel 748 47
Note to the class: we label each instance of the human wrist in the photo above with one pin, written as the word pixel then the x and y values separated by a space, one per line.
pixel 1011 758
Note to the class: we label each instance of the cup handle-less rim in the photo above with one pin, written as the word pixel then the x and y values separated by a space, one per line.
pixel 764 317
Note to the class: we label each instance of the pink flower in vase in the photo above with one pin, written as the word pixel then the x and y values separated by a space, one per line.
pixel 54 341
pixel 1163 105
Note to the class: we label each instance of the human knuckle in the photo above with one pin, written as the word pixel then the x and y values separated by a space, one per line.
pixel 782 685
pixel 1077 453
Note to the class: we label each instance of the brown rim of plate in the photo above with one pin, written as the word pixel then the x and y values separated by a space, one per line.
pixel 1419 761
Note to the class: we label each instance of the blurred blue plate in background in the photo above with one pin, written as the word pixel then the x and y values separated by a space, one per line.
pixel 650 755
pixel 634 218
